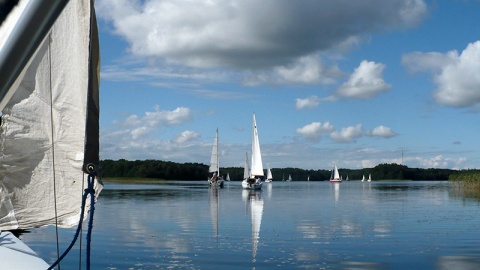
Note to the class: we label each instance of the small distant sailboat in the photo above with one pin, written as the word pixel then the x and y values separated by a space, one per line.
pixel 369 178
pixel 308 178
pixel 216 179
pixel 228 177
pixel 256 176
pixel 335 176
pixel 269 176
pixel 347 178
pixel 289 178
pixel 363 178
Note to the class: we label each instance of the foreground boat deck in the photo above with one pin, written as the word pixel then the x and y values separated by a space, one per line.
pixel 14 254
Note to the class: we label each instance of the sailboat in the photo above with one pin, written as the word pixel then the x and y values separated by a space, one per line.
pixel 289 178
pixel 347 178
pixel 216 179
pixel 363 178
pixel 335 176
pixel 256 176
pixel 269 176
pixel 49 128
pixel 369 178
pixel 228 177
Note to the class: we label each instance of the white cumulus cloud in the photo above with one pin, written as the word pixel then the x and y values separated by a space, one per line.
pixel 250 34
pixel 382 131
pixel 365 82
pixel 307 70
pixel 143 125
pixel 315 130
pixel 348 134
pixel 186 136
pixel 310 102
pixel 455 75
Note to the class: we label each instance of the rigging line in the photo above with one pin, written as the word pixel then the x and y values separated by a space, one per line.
pixel 53 145
pixel 88 191
pixel 81 231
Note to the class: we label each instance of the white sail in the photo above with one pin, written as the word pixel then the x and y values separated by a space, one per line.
pixel 269 174
pixel 214 166
pixel 246 168
pixel 335 176
pixel 49 125
pixel 257 167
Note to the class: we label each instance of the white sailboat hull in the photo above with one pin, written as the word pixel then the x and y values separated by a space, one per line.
pixel 252 183
pixel 16 255
pixel 216 182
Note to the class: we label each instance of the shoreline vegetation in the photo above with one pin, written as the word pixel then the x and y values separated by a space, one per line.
pixel 466 179
pixel 152 171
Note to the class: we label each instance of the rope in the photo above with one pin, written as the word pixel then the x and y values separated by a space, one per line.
pixel 53 145
pixel 88 191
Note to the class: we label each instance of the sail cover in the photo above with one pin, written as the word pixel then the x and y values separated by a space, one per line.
pixel 49 125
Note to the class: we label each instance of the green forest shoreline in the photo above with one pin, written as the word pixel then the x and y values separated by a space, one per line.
pixel 151 171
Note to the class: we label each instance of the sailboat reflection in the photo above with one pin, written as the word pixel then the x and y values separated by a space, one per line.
pixel 336 188
pixel 214 204
pixel 255 202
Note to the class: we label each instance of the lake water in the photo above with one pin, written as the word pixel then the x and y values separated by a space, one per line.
pixel 286 225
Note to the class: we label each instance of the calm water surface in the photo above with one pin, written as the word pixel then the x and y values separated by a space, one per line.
pixel 286 225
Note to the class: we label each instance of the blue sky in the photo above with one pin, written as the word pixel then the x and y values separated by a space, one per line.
pixel 354 83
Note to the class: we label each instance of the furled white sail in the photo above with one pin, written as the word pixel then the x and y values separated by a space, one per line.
pixel 214 166
pixel 49 125
pixel 257 166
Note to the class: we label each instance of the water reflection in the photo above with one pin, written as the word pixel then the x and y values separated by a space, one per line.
pixel 465 193
pixel 214 203
pixel 269 190
pixel 458 262
pixel 310 225
pixel 255 202
pixel 336 188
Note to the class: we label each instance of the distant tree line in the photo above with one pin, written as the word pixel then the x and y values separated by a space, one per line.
pixel 167 170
